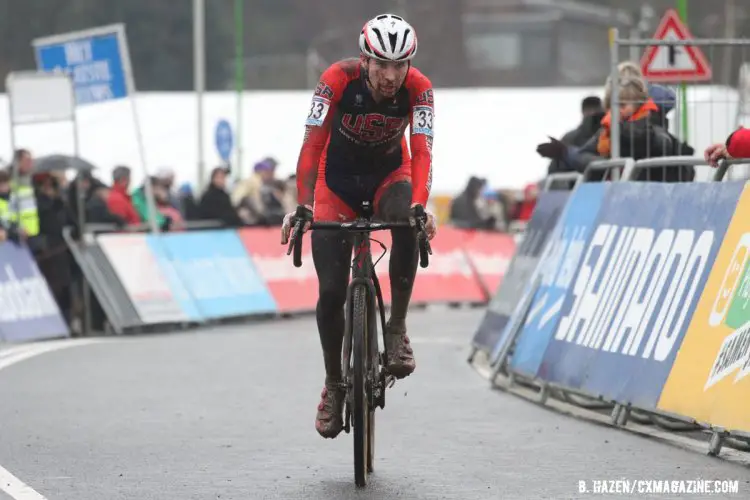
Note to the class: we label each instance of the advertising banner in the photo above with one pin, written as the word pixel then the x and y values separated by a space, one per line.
pixel 144 277
pixel 28 310
pixel 522 265
pixel 217 273
pixel 449 277
pixel 709 379
pixel 489 254
pixel 557 269
pixel 640 279
pixel 180 292
pixel 293 289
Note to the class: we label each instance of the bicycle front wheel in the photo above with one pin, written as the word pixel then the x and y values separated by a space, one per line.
pixel 360 369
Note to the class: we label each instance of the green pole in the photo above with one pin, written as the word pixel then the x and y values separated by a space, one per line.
pixel 682 10
pixel 239 74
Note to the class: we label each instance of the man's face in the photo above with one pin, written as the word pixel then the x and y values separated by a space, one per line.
pixel 124 182
pixel 386 77
pixel 25 164
pixel 220 179
pixel 268 174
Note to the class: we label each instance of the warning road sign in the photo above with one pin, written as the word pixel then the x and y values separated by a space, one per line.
pixel 674 63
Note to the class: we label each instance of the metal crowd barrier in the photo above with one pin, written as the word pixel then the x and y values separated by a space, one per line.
pixel 102 279
pixel 725 165
pixel 566 181
pixel 620 413
pixel 613 167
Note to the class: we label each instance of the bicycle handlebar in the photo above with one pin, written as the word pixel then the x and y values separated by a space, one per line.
pixel 359 227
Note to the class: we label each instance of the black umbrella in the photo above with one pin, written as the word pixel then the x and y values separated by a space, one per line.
pixel 56 163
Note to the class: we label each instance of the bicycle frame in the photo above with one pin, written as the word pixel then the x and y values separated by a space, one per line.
pixel 366 382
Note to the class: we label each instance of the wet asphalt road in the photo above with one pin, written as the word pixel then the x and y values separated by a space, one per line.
pixel 228 413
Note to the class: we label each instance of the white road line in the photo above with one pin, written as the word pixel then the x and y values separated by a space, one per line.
pixel 17 489
pixel 10 484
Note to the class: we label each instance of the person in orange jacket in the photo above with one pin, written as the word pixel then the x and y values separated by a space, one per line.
pixel 639 136
pixel 737 145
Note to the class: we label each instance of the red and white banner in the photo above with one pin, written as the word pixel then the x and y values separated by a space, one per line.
pixel 294 289
pixel 466 266
pixel 490 254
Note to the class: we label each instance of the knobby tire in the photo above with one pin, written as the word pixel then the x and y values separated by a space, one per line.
pixel 361 368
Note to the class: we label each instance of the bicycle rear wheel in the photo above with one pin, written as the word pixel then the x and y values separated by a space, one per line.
pixel 360 370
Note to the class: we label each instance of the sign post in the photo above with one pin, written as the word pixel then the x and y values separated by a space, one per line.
pixel 98 61
pixel 224 141
pixel 34 98
pixel 675 63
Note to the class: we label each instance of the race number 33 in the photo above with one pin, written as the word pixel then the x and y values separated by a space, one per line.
pixel 318 110
pixel 422 120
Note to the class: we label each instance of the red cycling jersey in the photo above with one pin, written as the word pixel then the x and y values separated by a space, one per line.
pixel 353 144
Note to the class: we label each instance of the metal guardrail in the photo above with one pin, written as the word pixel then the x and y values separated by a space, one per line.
pixel 569 181
pixel 613 166
pixel 664 162
pixel 197 225
pixel 724 166
pixel 103 282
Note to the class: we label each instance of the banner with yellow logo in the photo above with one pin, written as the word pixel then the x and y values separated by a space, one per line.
pixel 710 379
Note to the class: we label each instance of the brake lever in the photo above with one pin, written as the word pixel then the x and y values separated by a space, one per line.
pixel 293 237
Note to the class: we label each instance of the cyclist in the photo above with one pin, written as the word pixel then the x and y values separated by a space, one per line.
pixel 354 150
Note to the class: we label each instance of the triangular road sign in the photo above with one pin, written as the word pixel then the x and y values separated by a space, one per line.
pixel 674 63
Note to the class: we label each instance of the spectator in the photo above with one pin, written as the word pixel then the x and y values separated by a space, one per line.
pixel 54 258
pixel 216 203
pixel 664 97
pixel 166 177
pixel 258 197
pixel 7 228
pixel 737 145
pixel 120 202
pixel 89 184
pixel 97 209
pixel 166 209
pixel 491 207
pixel 187 204
pixel 465 212
pixel 639 136
pixel 592 113
pixel 527 205
pixel 23 208
pixel 140 202
pixel 665 100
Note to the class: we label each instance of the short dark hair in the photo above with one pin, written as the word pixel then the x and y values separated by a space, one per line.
pixel 120 172
pixel 591 103
pixel 20 153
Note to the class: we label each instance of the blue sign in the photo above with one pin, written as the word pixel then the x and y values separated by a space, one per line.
pixel 224 140
pixel 176 284
pixel 217 272
pixel 96 59
pixel 640 279
pixel 28 310
pixel 541 225
pixel 556 269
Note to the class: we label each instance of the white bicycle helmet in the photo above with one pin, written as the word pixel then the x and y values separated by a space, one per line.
pixel 388 37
